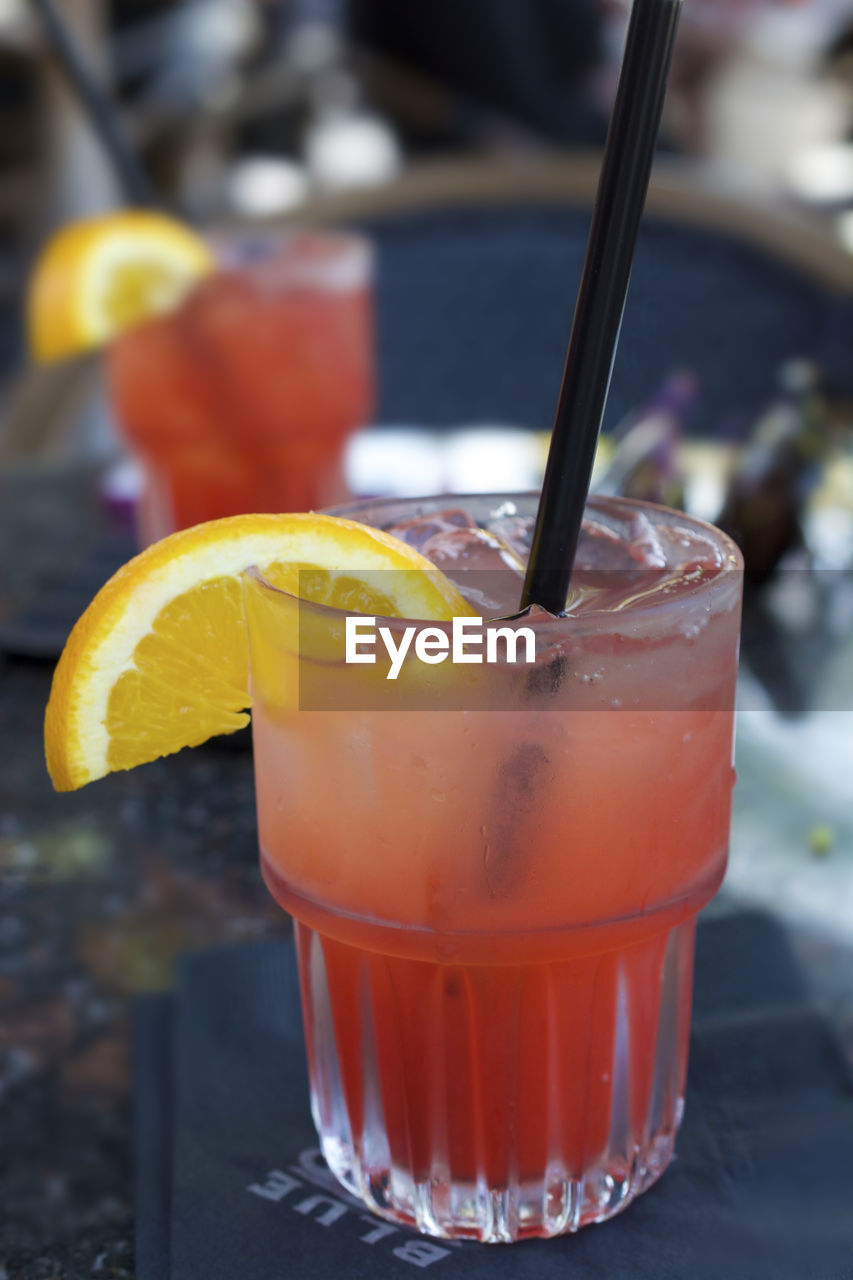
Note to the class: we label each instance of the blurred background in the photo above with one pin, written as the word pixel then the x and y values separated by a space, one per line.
pixel 465 144
pixel 459 144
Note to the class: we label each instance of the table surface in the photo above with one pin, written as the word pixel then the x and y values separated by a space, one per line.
pixel 102 889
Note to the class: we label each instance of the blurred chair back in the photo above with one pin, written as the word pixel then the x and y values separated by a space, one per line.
pixel 479 264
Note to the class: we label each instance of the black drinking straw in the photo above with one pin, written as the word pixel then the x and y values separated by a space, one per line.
pixel 622 190
pixel 97 105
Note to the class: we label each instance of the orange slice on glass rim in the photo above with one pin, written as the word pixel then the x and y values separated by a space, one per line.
pixel 159 660
pixel 103 275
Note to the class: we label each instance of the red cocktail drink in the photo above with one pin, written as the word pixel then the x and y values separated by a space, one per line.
pixel 495 872
pixel 243 399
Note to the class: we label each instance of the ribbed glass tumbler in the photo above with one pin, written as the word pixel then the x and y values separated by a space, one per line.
pixel 495 871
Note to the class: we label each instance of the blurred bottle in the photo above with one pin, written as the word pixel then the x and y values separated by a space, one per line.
pixel 779 468
pixel 645 464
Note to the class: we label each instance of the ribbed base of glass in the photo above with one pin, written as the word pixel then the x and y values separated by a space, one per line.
pixel 497 1102
pixel 500 1215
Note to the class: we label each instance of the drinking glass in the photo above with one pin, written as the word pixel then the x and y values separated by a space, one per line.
pixel 494 873
pixel 243 399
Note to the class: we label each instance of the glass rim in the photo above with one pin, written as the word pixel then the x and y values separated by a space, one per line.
pixel 578 624
pixel 348 267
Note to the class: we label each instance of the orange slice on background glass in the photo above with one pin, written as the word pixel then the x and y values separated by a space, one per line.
pixel 103 275
pixel 159 660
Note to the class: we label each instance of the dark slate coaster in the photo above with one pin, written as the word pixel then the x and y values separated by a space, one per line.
pixel 762 1188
